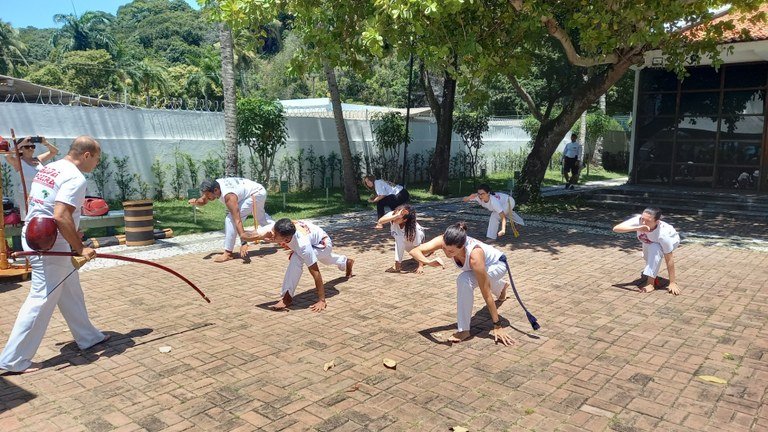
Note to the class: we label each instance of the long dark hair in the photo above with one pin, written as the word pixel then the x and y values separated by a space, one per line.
pixel 486 188
pixel 410 221
pixel 456 235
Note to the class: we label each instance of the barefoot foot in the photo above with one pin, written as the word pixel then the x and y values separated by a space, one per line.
pixel 226 256
pixel 459 336
pixel 283 303
pixel 350 263
pixel 502 294
pixel 647 288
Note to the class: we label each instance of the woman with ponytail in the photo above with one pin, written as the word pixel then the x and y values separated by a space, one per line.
pixel 407 233
pixel 481 266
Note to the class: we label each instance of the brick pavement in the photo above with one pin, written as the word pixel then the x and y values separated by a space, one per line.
pixel 606 358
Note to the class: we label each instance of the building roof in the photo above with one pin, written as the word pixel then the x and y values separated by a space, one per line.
pixel 749 26
pixel 19 90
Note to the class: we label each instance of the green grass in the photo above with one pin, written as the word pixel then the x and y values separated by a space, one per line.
pixel 178 214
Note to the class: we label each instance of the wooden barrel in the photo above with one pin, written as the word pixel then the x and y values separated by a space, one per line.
pixel 139 223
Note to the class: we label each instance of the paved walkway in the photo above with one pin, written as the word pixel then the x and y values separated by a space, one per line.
pixel 606 358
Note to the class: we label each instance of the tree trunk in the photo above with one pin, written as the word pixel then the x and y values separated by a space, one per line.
pixel 351 194
pixel 442 159
pixel 552 131
pixel 443 112
pixel 230 100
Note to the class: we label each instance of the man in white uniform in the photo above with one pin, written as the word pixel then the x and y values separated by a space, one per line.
pixel 57 192
pixel 573 154
pixel 241 196
pixel 308 244
pixel 659 240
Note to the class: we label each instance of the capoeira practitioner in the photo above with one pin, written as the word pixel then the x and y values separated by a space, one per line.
pixel 407 233
pixel 241 196
pixel 481 265
pixel 385 194
pixel 659 241
pixel 57 192
pixel 308 244
pixel 501 206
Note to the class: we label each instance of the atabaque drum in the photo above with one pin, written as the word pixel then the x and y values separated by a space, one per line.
pixel 41 233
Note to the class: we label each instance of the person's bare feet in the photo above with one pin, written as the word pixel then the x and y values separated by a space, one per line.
pixel 647 288
pixel 502 294
pixel 107 337
pixel 34 367
pixel 350 263
pixel 284 303
pixel 226 256
pixel 459 336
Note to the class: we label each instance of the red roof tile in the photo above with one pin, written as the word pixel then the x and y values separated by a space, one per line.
pixel 754 22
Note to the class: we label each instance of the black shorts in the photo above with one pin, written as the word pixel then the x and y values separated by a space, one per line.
pixel 571 165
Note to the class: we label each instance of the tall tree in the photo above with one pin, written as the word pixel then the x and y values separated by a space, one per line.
pixel 87 31
pixel 11 49
pixel 234 14
pixel 230 99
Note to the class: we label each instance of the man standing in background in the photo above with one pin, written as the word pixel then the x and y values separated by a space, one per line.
pixel 572 156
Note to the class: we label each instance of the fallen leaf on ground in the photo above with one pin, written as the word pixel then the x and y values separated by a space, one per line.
pixel 165 349
pixel 355 387
pixel 328 366
pixel 459 429
pixel 712 379
pixel 390 363
pixel 728 356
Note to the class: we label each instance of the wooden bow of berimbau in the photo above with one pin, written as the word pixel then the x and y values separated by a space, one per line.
pixel 79 261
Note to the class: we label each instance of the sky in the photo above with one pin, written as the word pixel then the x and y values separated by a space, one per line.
pixel 39 13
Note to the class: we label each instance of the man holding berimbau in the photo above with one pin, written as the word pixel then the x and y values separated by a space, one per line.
pixel 56 196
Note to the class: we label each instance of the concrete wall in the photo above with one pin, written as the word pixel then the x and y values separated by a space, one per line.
pixel 145 134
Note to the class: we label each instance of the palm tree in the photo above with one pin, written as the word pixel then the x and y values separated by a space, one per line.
pixel 88 31
pixel 149 75
pixel 11 49
pixel 230 99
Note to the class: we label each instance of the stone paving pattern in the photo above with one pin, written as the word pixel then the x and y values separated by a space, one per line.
pixel 606 358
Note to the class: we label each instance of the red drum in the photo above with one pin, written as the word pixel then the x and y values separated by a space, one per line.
pixel 41 233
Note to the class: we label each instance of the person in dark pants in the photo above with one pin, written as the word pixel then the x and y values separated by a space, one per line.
pixel 572 157
pixel 386 194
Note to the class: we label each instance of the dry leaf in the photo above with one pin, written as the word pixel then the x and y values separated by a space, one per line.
pixel 165 349
pixel 459 429
pixel 355 387
pixel 328 366
pixel 390 363
pixel 712 379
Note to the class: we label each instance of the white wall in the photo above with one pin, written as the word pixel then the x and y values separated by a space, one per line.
pixel 145 134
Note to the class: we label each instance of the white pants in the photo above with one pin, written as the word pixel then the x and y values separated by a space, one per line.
pixel 402 245
pixel 653 256
pixel 296 266
pixel 494 222
pixel 254 205
pixel 465 291
pixel 35 313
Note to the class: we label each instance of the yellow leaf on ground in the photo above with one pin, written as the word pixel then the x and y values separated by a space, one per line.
pixel 165 349
pixel 390 363
pixel 459 429
pixel 328 366
pixel 712 379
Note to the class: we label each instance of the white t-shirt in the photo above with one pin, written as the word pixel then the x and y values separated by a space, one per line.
pixel 308 237
pixel 498 202
pixel 664 234
pixel 492 255
pixel 59 181
pixel 242 188
pixel 573 150
pixel 30 171
pixel 397 231
pixel 384 188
